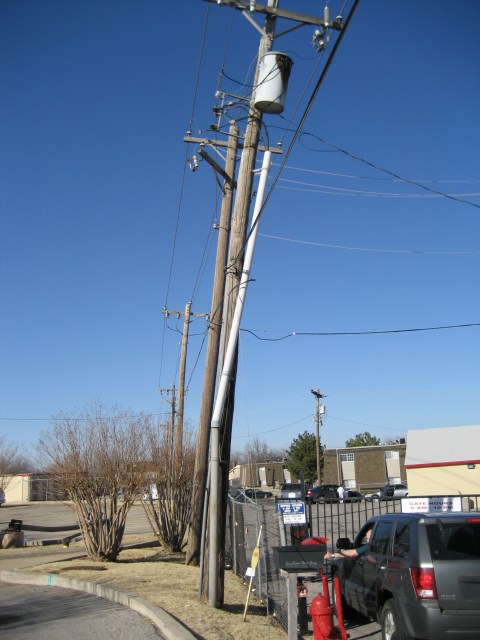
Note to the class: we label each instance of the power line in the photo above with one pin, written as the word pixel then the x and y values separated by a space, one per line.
pixel 353 156
pixel 370 249
pixel 329 190
pixel 358 333
pixel 285 426
pixel 376 178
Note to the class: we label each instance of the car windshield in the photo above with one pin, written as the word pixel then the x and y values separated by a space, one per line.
pixel 454 541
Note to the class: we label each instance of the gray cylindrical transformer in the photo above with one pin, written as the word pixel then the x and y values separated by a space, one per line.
pixel 272 85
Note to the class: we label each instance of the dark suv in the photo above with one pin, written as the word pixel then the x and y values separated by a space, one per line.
pixel 323 493
pixel 420 576
pixel 294 490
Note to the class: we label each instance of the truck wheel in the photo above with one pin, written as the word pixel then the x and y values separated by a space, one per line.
pixel 392 623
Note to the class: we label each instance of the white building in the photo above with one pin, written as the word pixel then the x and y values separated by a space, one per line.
pixel 443 461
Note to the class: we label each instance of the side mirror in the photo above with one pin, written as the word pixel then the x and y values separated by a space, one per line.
pixel 344 543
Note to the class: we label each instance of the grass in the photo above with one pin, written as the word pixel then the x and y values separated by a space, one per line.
pixel 163 578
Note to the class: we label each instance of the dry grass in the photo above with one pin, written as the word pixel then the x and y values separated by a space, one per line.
pixel 164 579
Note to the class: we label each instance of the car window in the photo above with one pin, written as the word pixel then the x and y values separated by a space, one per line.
pixel 452 541
pixel 401 541
pixel 380 538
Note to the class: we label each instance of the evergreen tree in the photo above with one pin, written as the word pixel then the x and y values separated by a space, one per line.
pixel 364 439
pixel 302 457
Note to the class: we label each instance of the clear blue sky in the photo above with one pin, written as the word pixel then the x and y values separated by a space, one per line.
pixel 96 97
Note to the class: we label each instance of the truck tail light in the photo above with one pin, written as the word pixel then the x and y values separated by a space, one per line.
pixel 424 583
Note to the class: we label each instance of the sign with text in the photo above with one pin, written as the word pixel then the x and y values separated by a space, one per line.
pixel 293 511
pixel 432 504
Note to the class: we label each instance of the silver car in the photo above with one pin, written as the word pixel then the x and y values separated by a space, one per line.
pixel 389 492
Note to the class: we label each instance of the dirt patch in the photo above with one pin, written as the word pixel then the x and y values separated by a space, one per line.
pixel 163 578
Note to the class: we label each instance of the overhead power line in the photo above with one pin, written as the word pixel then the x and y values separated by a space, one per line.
pixel 359 333
pixel 370 249
pixel 420 185
pixel 376 178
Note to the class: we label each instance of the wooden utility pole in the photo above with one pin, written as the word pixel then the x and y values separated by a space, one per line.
pixel 235 263
pixel 172 403
pixel 181 386
pixel 176 436
pixel 318 421
pixel 210 374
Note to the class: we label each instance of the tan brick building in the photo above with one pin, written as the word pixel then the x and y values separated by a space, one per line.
pixel 365 467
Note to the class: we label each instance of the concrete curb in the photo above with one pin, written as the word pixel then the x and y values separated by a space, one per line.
pixel 167 625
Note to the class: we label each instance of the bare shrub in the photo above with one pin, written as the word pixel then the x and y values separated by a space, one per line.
pixel 171 479
pixel 98 460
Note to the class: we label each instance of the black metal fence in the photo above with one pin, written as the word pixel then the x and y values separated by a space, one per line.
pixel 247 520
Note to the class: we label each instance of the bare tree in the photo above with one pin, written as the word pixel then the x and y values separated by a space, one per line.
pixel 100 462
pixel 257 450
pixel 168 501
pixel 11 462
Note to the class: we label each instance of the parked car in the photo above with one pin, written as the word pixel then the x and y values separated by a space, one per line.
pixel 389 492
pixel 418 578
pixel 322 493
pixel 240 493
pixel 294 491
pixel 349 495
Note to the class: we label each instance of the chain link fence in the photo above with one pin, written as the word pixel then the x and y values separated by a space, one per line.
pixel 247 519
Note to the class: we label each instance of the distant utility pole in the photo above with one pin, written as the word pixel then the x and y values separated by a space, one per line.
pixel 181 385
pixel 172 402
pixel 177 425
pixel 318 420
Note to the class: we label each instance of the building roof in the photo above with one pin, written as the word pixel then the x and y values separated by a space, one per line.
pixel 443 447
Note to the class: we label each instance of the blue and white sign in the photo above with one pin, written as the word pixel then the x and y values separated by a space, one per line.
pixel 293 511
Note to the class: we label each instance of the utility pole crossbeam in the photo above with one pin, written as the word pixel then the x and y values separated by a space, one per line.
pixel 275 12
pixel 224 143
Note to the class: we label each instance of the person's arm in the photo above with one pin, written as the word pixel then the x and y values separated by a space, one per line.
pixel 349 553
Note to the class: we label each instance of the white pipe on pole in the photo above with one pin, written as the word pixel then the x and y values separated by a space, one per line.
pixel 213 552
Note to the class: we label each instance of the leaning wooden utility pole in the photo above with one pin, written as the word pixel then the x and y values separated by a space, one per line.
pixel 199 503
pixel 221 424
pixel 235 266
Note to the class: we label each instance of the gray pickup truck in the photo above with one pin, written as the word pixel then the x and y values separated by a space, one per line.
pixel 419 577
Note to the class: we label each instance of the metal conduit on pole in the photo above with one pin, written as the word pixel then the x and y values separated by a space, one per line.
pixel 222 390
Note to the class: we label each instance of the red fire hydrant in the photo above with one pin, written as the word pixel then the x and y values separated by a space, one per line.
pixel 321 612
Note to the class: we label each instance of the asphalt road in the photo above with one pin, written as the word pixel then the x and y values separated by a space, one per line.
pixel 50 613
pixel 58 514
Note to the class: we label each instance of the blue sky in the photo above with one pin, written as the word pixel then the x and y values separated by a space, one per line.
pixel 95 191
